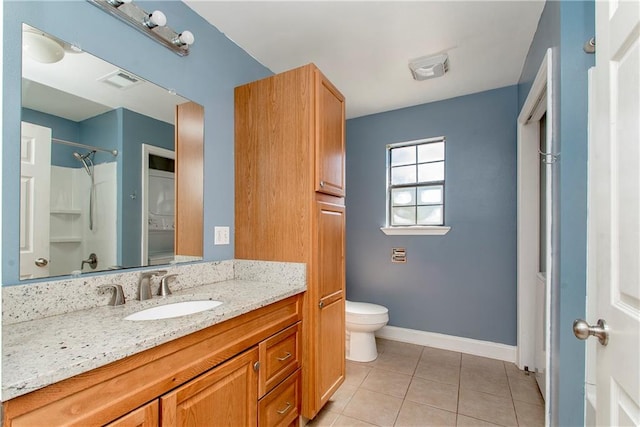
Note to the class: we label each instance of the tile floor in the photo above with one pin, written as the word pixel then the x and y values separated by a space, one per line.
pixel 411 385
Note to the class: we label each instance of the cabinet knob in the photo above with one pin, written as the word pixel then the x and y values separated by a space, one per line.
pixel 256 366
pixel 321 304
pixel 321 183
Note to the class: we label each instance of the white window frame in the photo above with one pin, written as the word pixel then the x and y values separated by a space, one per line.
pixel 412 229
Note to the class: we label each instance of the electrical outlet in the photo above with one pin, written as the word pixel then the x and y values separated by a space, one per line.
pixel 220 235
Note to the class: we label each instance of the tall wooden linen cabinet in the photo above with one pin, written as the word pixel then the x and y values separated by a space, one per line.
pixel 289 206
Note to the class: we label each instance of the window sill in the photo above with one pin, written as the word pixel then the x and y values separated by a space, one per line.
pixel 416 230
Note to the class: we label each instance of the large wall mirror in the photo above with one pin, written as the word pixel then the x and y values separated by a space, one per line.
pixel 100 164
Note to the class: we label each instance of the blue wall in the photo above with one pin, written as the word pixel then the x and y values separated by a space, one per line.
pixel 463 283
pixel 207 76
pixel 565 27
pixel 137 129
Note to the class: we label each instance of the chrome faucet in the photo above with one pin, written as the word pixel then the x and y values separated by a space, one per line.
pixel 144 285
pixel 164 290
pixel 118 294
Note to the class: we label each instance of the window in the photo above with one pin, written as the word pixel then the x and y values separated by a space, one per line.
pixel 416 183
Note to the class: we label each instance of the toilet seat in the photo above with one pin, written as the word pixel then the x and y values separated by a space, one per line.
pixel 363 313
pixel 365 308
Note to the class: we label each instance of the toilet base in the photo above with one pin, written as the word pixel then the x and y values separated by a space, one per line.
pixel 361 346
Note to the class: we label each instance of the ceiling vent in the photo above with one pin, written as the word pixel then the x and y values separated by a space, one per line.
pixel 121 79
pixel 429 67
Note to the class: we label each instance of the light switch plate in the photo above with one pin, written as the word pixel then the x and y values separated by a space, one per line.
pixel 220 235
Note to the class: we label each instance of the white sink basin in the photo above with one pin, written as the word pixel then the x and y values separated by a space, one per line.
pixel 176 309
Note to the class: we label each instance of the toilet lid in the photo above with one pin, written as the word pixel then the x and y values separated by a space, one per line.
pixel 364 308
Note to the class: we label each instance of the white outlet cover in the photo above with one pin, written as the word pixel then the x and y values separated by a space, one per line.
pixel 221 235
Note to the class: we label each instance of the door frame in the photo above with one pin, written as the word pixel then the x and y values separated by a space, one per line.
pixel 148 149
pixel 538 101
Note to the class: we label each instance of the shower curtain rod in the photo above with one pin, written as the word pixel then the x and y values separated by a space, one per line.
pixel 114 153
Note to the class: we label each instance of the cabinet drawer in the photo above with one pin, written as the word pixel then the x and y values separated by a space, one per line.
pixel 281 406
pixel 279 357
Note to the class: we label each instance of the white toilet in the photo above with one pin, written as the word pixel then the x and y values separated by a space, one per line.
pixel 362 320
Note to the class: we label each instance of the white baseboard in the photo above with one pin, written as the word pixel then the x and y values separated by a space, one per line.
pixel 449 342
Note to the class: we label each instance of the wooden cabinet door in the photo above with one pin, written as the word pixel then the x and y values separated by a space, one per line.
pixel 331 286
pixel 189 174
pixel 145 416
pixel 330 122
pixel 330 357
pixel 224 396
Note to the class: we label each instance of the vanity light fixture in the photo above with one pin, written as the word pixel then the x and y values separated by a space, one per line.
pixel 152 24
pixel 428 67
pixel 118 3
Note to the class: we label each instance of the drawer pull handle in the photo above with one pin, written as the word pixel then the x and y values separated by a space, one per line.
pixel 285 357
pixel 286 408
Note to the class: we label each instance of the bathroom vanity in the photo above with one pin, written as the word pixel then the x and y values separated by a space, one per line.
pixel 236 364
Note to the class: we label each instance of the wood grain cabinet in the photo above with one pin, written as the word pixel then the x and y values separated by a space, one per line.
pixel 242 372
pixel 289 195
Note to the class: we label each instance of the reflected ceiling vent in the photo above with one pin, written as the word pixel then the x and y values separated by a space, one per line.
pixel 429 67
pixel 121 79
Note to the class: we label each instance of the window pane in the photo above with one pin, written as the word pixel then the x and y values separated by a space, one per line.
pixel 403 175
pixel 403 156
pixel 431 152
pixel 430 215
pixel 430 172
pixel 403 216
pixel 403 196
pixel 430 195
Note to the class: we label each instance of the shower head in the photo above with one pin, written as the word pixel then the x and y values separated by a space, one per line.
pixel 84 158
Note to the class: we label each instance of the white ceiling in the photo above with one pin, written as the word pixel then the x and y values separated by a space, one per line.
pixel 72 89
pixel 364 47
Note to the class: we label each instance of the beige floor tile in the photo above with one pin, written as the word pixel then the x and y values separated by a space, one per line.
pixel 340 398
pixel 482 363
pixel 404 364
pixel 387 382
pixel 355 373
pixel 487 381
pixel 487 407
pixel 529 415
pixel 464 421
pixel 372 407
pixel 403 348
pixel 442 357
pixel 443 372
pixel 324 419
pixel 415 414
pixel 440 395
pixel 526 391
pixel 344 421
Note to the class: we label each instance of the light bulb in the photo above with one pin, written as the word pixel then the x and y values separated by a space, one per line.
pixel 155 19
pixel 184 38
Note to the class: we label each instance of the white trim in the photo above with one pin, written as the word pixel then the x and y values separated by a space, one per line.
pixel 148 149
pixel 416 230
pixel 539 101
pixel 449 342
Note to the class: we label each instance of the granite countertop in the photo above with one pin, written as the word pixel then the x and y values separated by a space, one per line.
pixel 41 352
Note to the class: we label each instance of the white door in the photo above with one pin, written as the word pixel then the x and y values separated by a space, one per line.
pixel 613 370
pixel 35 187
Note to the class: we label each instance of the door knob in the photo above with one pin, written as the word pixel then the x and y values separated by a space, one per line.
pixel 42 262
pixel 582 330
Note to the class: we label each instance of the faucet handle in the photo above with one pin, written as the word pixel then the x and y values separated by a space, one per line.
pixel 164 290
pixel 118 294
